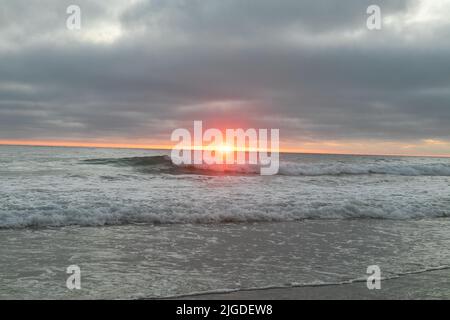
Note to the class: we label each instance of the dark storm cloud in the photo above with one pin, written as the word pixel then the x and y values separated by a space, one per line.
pixel 309 67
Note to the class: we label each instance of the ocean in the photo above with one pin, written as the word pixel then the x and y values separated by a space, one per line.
pixel 140 227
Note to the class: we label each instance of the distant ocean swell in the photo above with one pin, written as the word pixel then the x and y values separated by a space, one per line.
pixel 164 164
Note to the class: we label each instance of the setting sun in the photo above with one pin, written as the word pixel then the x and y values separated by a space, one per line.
pixel 224 148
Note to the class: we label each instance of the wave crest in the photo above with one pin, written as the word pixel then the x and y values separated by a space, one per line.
pixel 164 164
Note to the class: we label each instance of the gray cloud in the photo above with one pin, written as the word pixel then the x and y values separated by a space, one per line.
pixel 143 69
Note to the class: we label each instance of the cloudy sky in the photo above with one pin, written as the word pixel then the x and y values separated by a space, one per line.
pixel 139 69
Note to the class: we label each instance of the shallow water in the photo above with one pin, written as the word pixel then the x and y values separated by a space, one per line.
pixel 137 261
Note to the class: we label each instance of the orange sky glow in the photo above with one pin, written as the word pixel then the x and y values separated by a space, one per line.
pixel 428 147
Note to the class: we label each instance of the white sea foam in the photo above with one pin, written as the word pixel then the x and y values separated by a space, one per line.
pixel 97 187
pixel 181 212
pixel 402 169
pixel 296 169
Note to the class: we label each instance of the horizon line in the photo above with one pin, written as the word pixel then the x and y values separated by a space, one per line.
pixel 89 145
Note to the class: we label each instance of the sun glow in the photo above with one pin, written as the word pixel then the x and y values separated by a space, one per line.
pixel 224 148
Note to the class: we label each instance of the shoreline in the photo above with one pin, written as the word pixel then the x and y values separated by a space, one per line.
pixel 421 285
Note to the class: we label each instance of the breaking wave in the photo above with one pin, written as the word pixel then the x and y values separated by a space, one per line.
pixel 163 164
pixel 153 190
pixel 433 169
pixel 155 212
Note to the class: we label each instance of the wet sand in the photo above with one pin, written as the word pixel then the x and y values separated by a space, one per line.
pixel 426 285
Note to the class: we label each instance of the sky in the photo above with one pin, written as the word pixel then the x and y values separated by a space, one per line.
pixel 137 70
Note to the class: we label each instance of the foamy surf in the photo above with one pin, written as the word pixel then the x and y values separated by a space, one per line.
pixel 401 168
pixel 100 187
pixel 430 169
pixel 159 212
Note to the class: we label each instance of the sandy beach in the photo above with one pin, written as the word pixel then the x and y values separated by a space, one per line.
pixel 426 285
